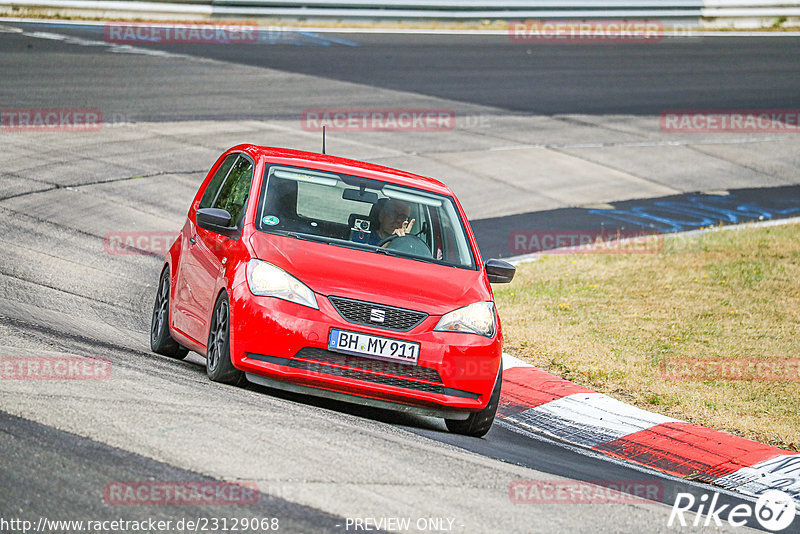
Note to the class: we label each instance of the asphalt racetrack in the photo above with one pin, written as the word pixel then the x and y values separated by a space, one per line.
pixel 539 129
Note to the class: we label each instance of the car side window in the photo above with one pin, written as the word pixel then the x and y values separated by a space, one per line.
pixel 210 194
pixel 233 194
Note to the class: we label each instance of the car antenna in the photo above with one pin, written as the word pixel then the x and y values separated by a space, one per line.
pixel 323 139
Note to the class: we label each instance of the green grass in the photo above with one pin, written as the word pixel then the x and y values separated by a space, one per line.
pixel 609 320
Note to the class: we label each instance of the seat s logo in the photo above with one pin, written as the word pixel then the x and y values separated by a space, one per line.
pixel 377 316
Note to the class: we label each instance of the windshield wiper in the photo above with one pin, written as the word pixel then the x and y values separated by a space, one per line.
pixel 396 254
pixel 306 237
pixel 328 240
pixel 359 246
pixel 349 244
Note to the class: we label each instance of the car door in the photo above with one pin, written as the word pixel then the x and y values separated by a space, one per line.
pixel 185 308
pixel 206 251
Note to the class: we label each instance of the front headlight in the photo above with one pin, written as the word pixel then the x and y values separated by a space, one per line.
pixel 266 280
pixel 476 318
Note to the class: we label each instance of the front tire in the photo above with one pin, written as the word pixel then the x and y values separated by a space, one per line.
pixel 218 352
pixel 479 423
pixel 161 341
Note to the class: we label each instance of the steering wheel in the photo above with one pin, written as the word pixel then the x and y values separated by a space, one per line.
pixel 407 243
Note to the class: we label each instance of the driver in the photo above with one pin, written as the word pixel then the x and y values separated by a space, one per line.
pixel 390 218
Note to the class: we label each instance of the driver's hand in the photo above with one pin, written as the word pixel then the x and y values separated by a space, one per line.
pixel 405 228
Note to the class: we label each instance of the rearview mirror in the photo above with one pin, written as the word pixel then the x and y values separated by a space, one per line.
pixel 213 219
pixel 360 196
pixel 500 272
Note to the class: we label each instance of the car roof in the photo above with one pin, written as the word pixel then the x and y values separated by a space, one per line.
pixel 325 162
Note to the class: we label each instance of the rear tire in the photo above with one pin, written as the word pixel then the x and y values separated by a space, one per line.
pixel 479 423
pixel 218 352
pixel 161 341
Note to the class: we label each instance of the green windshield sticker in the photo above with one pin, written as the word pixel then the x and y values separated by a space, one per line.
pixel 270 220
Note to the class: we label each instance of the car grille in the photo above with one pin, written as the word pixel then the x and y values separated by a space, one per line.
pixel 377 315
pixel 405 376
pixel 368 364
pixel 361 375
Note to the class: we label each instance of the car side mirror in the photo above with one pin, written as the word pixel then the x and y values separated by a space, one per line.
pixel 500 272
pixel 214 219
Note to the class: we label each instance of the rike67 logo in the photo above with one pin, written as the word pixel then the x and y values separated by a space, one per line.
pixel 774 510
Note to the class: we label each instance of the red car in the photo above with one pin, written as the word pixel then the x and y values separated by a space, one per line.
pixel 333 277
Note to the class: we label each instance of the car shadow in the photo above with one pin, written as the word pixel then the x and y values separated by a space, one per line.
pixel 367 412
pixel 197 364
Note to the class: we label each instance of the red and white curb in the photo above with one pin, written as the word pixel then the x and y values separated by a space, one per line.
pixel 536 400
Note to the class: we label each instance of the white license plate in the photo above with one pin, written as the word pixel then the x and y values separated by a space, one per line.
pixel 381 348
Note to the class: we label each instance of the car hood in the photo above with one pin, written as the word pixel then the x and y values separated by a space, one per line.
pixel 372 276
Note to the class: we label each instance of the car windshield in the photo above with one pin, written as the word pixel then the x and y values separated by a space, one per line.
pixel 362 213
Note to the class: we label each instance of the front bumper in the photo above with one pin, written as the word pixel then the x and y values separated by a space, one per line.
pixel 286 342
